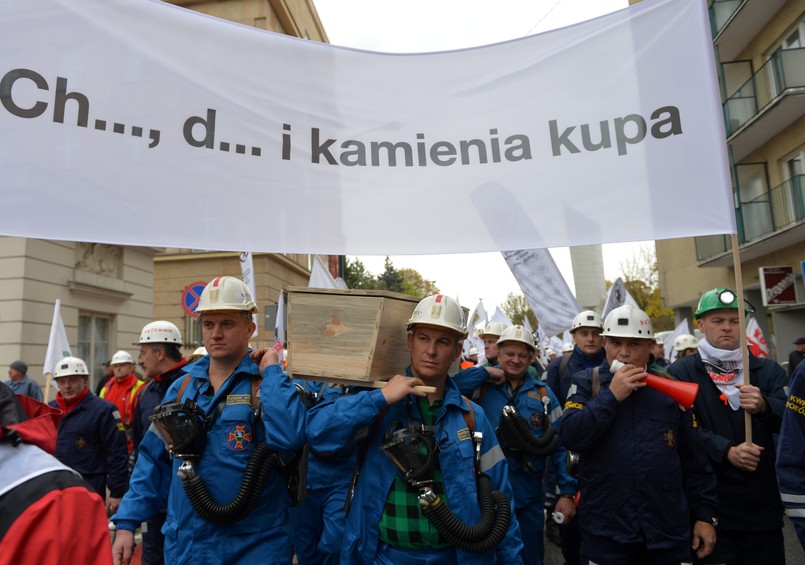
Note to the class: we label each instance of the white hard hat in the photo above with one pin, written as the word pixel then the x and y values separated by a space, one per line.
pixel 121 357
pixel 685 341
pixel 200 351
pixel 160 332
pixel 549 352
pixel 493 328
pixel 586 319
pixel 519 334
pixel 628 321
pixel 70 366
pixel 226 293
pixel 441 311
pixel 473 351
pixel 567 347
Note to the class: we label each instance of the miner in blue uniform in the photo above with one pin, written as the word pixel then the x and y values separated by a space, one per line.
pixel 91 438
pixel 318 522
pixel 227 413
pixel 162 363
pixel 539 408
pixel 791 454
pixel 439 437
pixel 644 475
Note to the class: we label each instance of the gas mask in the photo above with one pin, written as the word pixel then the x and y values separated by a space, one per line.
pixel 412 450
pixel 183 427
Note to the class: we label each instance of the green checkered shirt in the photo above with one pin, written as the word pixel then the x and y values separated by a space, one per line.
pixel 402 523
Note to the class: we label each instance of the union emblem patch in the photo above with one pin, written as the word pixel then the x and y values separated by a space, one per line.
pixel 239 437
pixel 536 419
pixel 670 437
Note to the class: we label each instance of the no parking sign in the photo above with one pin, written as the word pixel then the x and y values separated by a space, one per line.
pixel 191 296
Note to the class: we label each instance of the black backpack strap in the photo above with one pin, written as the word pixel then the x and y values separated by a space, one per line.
pixel 596 382
pixel 563 365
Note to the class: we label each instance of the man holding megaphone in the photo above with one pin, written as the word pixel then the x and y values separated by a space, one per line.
pixel 643 471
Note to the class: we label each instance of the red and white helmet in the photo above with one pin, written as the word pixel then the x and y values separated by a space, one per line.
pixel 160 331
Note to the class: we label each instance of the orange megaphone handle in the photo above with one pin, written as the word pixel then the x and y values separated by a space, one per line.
pixel 683 393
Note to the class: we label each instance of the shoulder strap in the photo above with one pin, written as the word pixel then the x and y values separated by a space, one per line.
pixel 596 382
pixel 469 417
pixel 182 388
pixel 563 365
pixel 481 391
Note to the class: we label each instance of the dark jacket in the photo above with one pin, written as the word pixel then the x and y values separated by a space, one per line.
pixel 91 440
pixel 151 395
pixel 560 384
pixel 747 501
pixel 643 470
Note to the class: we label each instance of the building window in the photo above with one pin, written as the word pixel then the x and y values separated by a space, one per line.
pixel 796 38
pixel 192 332
pixel 795 164
pixel 93 344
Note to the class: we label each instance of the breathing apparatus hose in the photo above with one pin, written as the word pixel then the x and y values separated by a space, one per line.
pixel 518 434
pixel 480 538
pixel 261 463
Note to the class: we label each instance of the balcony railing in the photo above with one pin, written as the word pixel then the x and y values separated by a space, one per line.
pixel 720 13
pixel 785 69
pixel 772 211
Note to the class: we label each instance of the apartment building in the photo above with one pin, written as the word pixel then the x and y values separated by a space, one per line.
pixel 760 50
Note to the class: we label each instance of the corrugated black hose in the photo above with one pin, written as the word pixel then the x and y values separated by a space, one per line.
pixel 480 538
pixel 261 463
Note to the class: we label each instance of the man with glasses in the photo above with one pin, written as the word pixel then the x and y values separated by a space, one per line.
pixel 750 512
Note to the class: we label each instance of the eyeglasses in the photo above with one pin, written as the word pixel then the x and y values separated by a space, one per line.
pixel 727 297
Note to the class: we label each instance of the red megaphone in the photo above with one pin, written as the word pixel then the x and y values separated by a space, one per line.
pixel 683 393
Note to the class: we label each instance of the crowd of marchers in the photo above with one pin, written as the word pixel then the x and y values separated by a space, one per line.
pixel 607 449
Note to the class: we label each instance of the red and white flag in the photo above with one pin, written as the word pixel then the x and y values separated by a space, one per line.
pixel 755 339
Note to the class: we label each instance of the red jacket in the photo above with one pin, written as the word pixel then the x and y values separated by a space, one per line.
pixel 45 503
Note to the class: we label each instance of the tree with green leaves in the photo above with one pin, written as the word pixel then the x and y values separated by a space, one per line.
pixel 406 281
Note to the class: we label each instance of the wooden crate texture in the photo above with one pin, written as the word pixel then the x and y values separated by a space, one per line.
pixel 351 336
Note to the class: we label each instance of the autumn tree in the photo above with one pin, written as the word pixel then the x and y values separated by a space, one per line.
pixel 415 284
pixel 356 276
pixel 517 309
pixel 641 278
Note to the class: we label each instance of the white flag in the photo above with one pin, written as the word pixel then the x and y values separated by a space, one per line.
pixel 247 272
pixel 544 287
pixel 681 329
pixel 617 296
pixel 279 328
pixel 58 346
pixel 754 336
pixel 320 276
pixel 500 316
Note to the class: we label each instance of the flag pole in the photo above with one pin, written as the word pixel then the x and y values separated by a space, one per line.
pixel 739 290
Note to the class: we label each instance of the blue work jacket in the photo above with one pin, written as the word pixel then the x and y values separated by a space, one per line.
pixel 526 475
pixel 643 469
pixel 229 444
pixel 333 427
pixel 91 441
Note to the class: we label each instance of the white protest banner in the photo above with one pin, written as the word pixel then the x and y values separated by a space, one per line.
pixel 247 272
pixel 272 143
pixel 320 276
pixel 544 287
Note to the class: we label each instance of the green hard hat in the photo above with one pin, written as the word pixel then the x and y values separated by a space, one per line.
pixel 719 299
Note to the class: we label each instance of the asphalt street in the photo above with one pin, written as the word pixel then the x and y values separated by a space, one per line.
pixel 793 551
